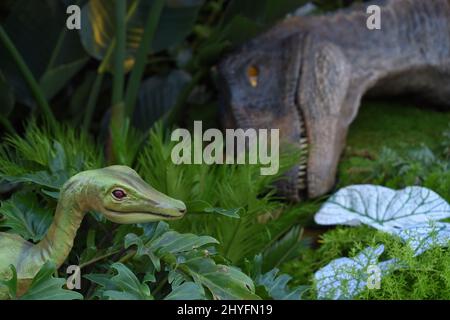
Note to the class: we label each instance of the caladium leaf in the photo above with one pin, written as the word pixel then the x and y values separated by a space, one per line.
pixel 345 278
pixel 426 236
pixel 383 208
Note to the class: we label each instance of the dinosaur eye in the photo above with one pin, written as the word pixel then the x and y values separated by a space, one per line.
pixel 119 194
pixel 252 75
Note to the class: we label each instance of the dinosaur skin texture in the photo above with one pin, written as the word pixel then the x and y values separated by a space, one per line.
pixel 117 192
pixel 307 75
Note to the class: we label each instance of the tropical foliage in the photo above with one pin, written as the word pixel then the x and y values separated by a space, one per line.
pixel 112 92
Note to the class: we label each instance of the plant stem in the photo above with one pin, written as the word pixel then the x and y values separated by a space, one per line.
pixel 92 101
pixel 29 78
pixel 116 124
pixel 96 259
pixel 119 57
pixel 141 56
pixel 161 285
pixel 130 254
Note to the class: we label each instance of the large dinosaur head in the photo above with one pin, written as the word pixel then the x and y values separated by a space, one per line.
pixel 258 84
pixel 121 195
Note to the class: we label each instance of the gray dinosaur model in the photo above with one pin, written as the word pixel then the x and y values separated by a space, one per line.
pixel 307 75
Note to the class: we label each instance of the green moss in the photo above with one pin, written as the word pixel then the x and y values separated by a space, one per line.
pixel 392 125
pixel 397 146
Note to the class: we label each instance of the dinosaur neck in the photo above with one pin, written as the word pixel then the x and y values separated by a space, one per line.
pixel 70 211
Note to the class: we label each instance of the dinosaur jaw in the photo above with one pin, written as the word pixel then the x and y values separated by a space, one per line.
pixel 326 138
pixel 139 217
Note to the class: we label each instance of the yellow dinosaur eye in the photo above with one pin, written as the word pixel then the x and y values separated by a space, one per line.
pixel 252 75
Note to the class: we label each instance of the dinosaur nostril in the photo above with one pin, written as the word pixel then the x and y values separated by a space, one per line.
pixel 182 210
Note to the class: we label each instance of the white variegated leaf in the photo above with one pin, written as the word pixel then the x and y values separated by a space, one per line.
pixel 426 236
pixel 383 208
pixel 345 278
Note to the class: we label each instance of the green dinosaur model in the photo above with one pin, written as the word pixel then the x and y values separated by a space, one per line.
pixel 117 192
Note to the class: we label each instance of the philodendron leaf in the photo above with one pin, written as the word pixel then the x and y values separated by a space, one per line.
pixel 47 287
pixel 276 286
pixel 170 242
pixel 345 278
pixel 223 282
pixel 426 236
pixel 187 291
pixel 122 286
pixel 383 208
pixel 187 254
pixel 25 216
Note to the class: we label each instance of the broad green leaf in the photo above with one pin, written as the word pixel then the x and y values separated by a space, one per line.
pixel 52 52
pixel 383 208
pixel 182 252
pixel 24 215
pixel 345 278
pixel 97 32
pixel 187 291
pixel 122 286
pixel 174 242
pixel 276 286
pixel 46 287
pixel 157 95
pixel 223 282
pixel 169 242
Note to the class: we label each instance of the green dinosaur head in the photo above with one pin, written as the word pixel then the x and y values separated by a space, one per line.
pixel 121 195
